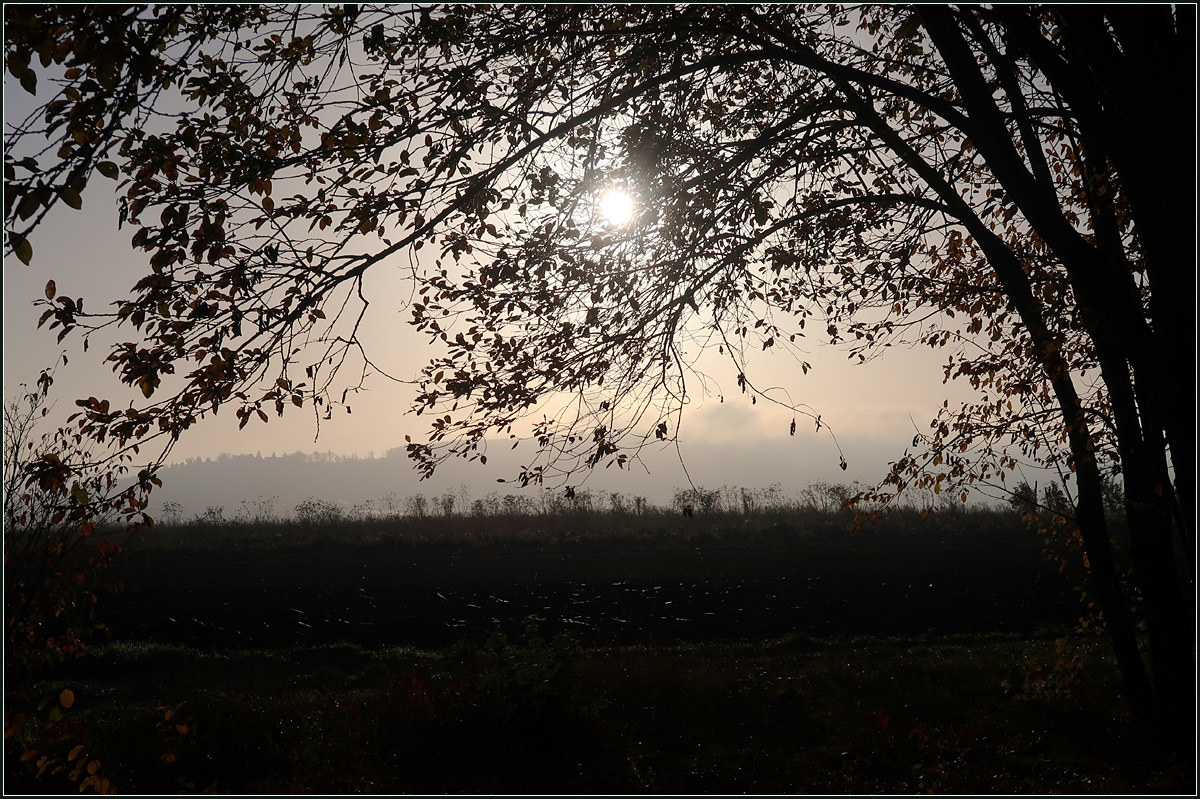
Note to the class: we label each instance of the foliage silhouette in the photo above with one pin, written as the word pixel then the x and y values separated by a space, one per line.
pixel 66 523
pixel 980 180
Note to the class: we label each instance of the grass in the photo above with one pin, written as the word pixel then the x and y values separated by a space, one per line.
pixel 963 714
pixel 969 714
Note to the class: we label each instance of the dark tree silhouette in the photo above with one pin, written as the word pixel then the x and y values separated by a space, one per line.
pixel 982 180
pixel 54 501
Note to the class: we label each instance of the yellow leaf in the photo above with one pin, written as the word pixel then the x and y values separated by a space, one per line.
pixel 74 753
pixel 168 758
pixel 93 767
pixel 183 729
pixel 67 697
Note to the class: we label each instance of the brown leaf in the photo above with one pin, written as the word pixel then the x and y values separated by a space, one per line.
pixel 71 197
pixel 22 248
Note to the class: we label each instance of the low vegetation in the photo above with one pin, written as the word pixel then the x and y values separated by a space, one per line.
pixel 817 513
pixel 537 711
pixel 991 713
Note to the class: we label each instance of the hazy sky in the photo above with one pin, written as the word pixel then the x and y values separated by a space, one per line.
pixel 871 408
pixel 867 406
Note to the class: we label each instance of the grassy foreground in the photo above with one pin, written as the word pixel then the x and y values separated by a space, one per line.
pixel 967 714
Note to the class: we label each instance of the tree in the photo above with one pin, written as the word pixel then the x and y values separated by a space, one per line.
pixel 65 523
pixel 981 180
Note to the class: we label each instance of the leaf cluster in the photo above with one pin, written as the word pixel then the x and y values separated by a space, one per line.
pixel 867 178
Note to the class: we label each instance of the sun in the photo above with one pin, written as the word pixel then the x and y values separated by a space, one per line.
pixel 616 207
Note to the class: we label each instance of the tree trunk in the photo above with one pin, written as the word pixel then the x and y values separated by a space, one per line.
pixel 1168 600
pixel 1114 91
pixel 1104 580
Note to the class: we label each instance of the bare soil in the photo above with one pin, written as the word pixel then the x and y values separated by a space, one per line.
pixel 433 596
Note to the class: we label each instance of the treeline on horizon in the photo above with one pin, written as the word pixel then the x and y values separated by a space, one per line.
pixel 820 497
pixel 820 511
pixel 298 456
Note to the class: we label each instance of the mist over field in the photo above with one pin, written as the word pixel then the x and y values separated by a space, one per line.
pixel 287 479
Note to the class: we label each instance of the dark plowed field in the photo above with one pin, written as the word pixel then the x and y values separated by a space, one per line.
pixel 430 597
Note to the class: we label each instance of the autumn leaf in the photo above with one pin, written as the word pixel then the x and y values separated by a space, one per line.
pixel 71 197
pixel 21 247
pixel 28 206
pixel 909 27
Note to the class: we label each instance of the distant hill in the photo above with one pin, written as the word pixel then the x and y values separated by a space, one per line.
pixel 228 481
pixel 284 480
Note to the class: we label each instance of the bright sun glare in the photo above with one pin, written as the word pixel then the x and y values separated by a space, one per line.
pixel 617 207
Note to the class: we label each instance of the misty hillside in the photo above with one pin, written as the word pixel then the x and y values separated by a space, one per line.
pixel 229 480
pixel 284 480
